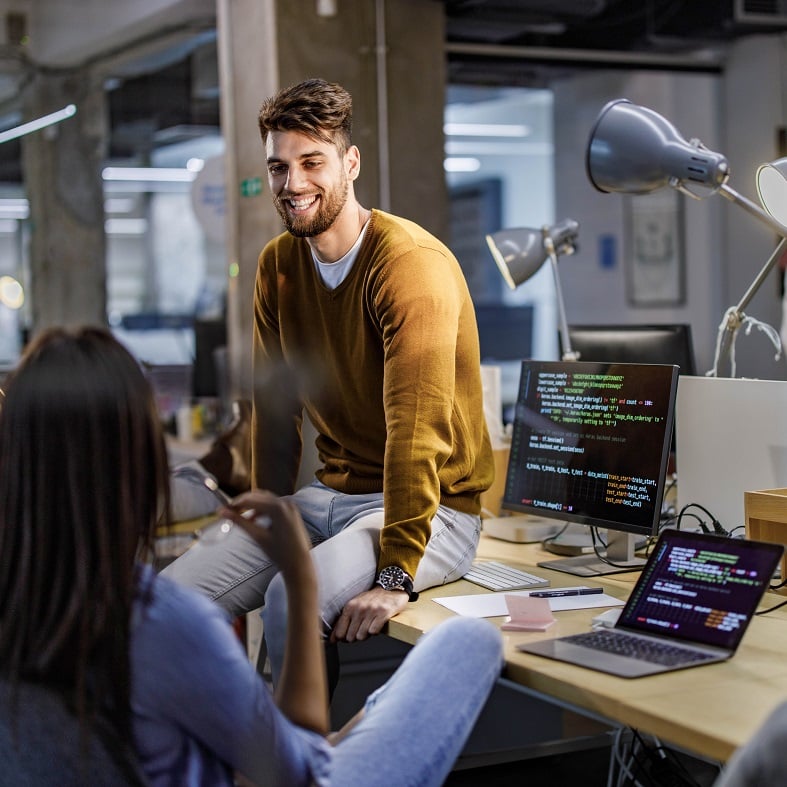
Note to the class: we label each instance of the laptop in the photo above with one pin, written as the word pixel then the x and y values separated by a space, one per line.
pixel 690 606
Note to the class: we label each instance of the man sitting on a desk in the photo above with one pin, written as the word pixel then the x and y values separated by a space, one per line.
pixel 364 320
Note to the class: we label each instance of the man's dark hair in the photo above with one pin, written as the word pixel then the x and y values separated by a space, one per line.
pixel 322 110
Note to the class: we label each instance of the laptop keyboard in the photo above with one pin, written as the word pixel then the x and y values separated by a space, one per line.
pixel 498 576
pixel 634 647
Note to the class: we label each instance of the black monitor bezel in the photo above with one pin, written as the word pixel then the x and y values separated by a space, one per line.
pixel 670 343
pixel 505 333
pixel 209 334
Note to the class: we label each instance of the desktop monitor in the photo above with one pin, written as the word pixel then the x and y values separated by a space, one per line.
pixel 590 445
pixel 505 334
pixel 209 335
pixel 731 436
pixel 668 343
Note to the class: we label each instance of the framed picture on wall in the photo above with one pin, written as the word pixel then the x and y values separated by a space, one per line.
pixel 654 244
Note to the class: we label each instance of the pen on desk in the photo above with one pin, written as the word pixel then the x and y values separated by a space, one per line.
pixel 558 593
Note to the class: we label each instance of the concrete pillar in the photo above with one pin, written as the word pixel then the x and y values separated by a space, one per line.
pixel 248 72
pixel 389 55
pixel 62 170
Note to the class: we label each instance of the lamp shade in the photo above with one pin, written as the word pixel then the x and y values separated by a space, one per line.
pixel 772 188
pixel 634 150
pixel 520 252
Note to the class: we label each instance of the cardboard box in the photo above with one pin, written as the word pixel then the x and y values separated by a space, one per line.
pixel 766 520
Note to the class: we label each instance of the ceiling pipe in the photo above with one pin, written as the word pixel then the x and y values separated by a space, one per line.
pixel 701 61
pixel 383 137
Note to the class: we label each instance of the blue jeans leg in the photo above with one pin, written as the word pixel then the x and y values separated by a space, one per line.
pixel 346 562
pixel 189 497
pixel 415 726
pixel 234 572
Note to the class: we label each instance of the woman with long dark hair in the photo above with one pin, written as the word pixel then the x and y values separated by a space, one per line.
pixel 83 485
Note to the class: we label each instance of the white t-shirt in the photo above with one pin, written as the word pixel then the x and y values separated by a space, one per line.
pixel 334 273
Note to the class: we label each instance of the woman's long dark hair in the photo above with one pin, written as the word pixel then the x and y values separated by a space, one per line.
pixel 83 482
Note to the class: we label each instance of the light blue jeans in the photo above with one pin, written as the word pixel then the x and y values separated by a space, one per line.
pixel 345 534
pixel 416 725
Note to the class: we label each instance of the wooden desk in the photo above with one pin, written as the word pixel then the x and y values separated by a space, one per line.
pixel 709 710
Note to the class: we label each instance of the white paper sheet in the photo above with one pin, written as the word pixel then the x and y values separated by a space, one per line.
pixel 490 605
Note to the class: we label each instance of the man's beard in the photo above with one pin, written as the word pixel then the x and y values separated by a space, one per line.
pixel 330 206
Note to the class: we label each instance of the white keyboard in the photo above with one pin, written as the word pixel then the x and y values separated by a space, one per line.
pixel 498 576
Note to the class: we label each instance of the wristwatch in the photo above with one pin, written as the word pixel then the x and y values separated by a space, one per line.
pixel 394 578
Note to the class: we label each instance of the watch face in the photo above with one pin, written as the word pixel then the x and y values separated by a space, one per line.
pixel 391 577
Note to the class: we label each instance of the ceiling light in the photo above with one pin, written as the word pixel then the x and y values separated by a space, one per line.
pixel 14 208
pixel 461 164
pixel 12 294
pixel 124 226
pixel 38 123
pixel 486 130
pixel 149 174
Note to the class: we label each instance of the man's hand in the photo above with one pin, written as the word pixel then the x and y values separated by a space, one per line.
pixel 367 613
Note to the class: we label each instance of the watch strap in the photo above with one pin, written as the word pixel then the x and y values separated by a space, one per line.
pixel 407 586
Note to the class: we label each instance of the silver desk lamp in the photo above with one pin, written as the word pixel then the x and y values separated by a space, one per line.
pixel 634 150
pixel 520 253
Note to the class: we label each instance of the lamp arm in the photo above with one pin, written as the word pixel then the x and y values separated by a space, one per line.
pixel 753 209
pixel 775 225
pixel 761 276
pixel 735 315
pixel 567 353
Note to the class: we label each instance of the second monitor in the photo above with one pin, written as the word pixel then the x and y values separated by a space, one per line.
pixel 669 343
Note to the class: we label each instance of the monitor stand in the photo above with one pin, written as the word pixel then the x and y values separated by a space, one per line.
pixel 571 539
pixel 620 551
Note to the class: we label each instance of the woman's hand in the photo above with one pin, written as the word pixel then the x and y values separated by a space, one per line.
pixel 276 525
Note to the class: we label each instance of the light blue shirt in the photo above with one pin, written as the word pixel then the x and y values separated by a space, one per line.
pixel 200 710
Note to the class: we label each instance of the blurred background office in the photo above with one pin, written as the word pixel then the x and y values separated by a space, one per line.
pixel 146 204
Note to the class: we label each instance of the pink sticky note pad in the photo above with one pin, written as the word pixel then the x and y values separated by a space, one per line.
pixel 528 614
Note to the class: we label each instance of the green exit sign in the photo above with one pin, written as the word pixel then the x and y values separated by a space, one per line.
pixel 251 187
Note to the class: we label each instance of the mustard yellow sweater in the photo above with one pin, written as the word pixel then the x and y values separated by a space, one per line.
pixel 386 366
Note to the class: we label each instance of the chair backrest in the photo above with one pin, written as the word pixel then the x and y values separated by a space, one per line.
pixel 41 743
